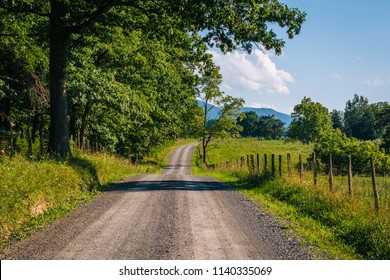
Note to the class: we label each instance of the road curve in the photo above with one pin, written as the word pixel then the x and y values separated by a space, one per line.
pixel 172 215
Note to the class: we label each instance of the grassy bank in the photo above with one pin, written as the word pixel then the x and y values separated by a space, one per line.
pixel 33 192
pixel 338 226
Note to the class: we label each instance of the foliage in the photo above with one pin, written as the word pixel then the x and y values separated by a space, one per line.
pixel 310 120
pixel 210 94
pixel 81 37
pixel 384 122
pixel 337 120
pixel 333 224
pixel 265 127
pixel 30 190
pixel 340 146
pixel 360 118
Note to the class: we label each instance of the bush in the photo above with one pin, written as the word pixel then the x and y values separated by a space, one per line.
pixel 340 146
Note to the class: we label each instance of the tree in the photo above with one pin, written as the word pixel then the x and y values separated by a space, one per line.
pixel 267 127
pixel 249 123
pixel 23 69
pixel 131 97
pixel 360 118
pixel 384 123
pixel 337 120
pixel 228 24
pixel 210 94
pixel 270 127
pixel 310 120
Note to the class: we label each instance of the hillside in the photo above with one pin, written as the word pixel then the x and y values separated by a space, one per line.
pixel 213 114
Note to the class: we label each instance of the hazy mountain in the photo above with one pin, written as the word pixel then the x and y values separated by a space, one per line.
pixel 213 114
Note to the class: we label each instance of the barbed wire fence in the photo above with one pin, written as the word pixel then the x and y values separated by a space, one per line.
pixel 282 166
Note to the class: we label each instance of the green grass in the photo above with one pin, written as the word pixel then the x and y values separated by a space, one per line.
pixel 338 226
pixel 234 148
pixel 35 192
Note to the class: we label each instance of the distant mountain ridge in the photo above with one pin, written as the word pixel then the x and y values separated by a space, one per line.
pixel 214 113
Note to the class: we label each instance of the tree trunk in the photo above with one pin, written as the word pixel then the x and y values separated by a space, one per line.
pixel 59 39
pixel 84 120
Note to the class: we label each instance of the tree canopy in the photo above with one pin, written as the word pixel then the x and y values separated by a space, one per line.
pixel 265 127
pixel 310 120
pixel 121 73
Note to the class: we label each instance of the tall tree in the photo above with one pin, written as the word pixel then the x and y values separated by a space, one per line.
pixel 383 117
pixel 228 23
pixel 360 118
pixel 267 127
pixel 270 127
pixel 210 94
pixel 310 120
pixel 249 123
pixel 337 119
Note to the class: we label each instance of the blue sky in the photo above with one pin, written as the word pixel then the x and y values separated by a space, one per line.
pixel 342 50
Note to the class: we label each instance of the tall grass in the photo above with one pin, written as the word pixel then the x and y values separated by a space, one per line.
pixel 34 192
pixel 340 226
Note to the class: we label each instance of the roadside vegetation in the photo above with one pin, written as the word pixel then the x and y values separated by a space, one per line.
pixel 334 224
pixel 34 192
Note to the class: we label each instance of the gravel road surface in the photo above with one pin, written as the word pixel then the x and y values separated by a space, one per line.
pixel 173 215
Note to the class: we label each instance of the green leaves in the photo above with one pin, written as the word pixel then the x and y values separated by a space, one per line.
pixel 266 127
pixel 133 68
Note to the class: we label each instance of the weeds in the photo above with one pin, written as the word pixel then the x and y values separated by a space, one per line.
pixel 340 226
pixel 34 192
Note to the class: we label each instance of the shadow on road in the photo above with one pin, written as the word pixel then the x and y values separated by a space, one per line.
pixel 167 185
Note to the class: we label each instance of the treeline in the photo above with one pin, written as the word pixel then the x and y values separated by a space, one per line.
pixel 262 127
pixel 361 131
pixel 122 75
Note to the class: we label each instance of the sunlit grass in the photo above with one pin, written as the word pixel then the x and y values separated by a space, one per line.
pixel 340 226
pixel 34 192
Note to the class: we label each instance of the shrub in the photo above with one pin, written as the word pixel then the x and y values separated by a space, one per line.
pixel 340 146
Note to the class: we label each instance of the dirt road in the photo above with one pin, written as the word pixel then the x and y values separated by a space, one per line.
pixel 173 215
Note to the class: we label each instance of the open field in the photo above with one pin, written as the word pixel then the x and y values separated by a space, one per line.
pixel 339 225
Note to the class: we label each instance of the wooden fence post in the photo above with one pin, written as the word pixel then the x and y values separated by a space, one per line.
pixel 374 185
pixel 350 176
pixel 252 163
pixel 330 173
pixel 273 164
pixel 258 163
pixel 280 165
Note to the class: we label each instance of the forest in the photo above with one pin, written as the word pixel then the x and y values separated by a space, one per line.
pixel 122 76
pixel 125 77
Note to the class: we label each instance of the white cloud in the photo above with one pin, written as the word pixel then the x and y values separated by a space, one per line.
pixel 376 82
pixel 260 105
pixel 255 72
pixel 336 76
